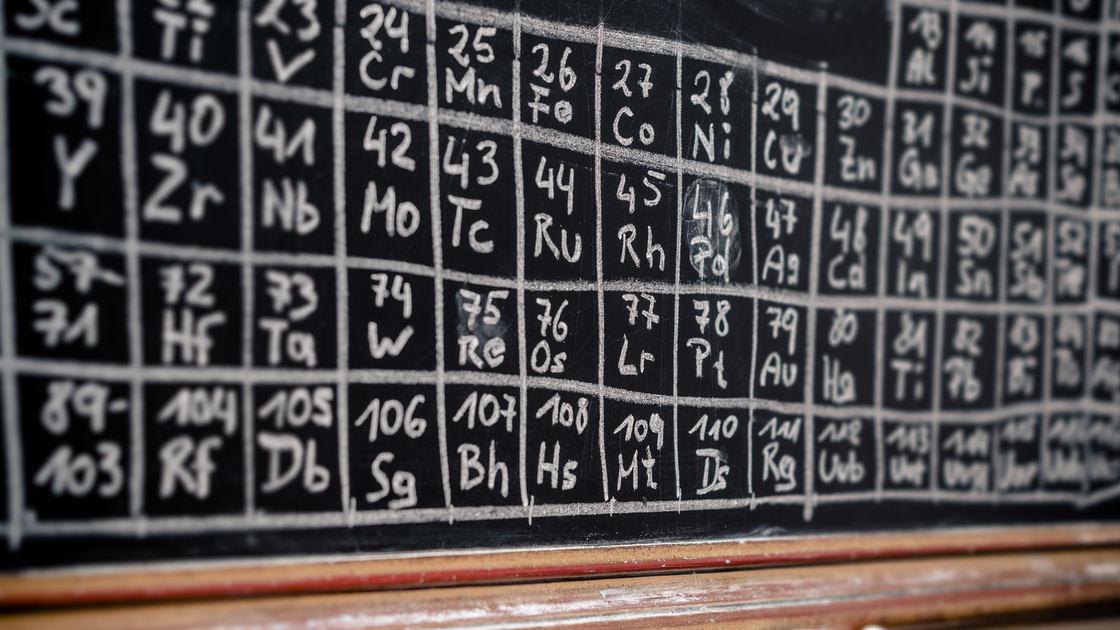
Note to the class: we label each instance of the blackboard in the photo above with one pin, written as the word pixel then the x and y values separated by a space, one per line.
pixel 288 277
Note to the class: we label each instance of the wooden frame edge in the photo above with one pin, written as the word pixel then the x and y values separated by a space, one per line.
pixel 274 576
pixel 926 591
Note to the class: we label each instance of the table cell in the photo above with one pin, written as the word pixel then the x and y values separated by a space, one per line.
pixel 714 353
pixel 844 339
pixel 639 452
pixel 293 187
pixel 394 448
pixel 973 256
pixel 913 250
pixel 712 232
pixel 716 113
pixel 1110 167
pixel 1071 260
pixel 777 454
pixel 1102 453
pixel 197 35
pixel 981 58
pixel 483 446
pixel 292 42
pixel 1112 76
pixel 188 158
pixel 849 257
pixel 559 198
pixel 854 147
pixel 385 52
pixel 64 134
pixel 1108 260
pixel 965 458
pixel 784 228
pixel 478 205
pixel 1069 347
pixel 1077 85
pixel 1073 183
pixel 388 202
pixel 787 129
pixel 908 350
pixel 392 320
pixel 193 451
pixel 1027 257
pixel 1063 452
pixel 562 448
pixel 1017 451
pixel 917 149
pixel 1033 67
pixel 780 342
pixel 977 154
pixel 907 455
pixel 76 447
pixel 639 226
pixel 969 361
pixel 1023 358
pixel 922 49
pixel 1028 172
pixel 82 25
pixel 295 318
pixel 638 101
pixel 70 303
pixel 191 312
pixel 845 452
pixel 558 83
pixel 562 336
pixel 714 453
pixel 480 328
pixel 638 334
pixel 296 454
pixel 1089 11
pixel 474 72
pixel 1104 376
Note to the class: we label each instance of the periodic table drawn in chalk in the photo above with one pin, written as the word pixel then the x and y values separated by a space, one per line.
pixel 293 277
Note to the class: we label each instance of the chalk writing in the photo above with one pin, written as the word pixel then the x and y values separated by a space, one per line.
pixel 378 267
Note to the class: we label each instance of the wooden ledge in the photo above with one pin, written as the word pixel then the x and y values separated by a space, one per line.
pixel 924 591
pixel 318 575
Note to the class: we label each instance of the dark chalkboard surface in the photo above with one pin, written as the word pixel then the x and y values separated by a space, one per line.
pixel 284 277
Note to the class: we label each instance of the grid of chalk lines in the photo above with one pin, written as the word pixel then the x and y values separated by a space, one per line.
pixel 361 269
